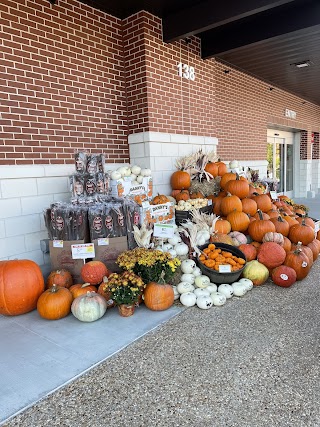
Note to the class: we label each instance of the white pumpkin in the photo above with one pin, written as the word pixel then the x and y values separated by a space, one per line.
pixel 212 287
pixel 175 292
pixel 202 281
pixel 218 299
pixel 205 302
pixel 127 172
pixel 202 237
pixel 201 291
pixel 188 299
pixel 167 247
pixel 136 170
pixel 247 282
pixel 233 164
pixel 133 177
pixel 188 277
pixel 159 248
pixel 172 252
pixel 181 249
pixel 188 266
pixel 226 290
pixel 184 287
pixel 116 175
pixel 145 172
pixel 89 307
pixel 139 179
pixel 239 289
pixel 174 240
pixel 122 170
pixel 197 272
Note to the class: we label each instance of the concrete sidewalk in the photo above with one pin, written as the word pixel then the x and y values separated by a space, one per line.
pixel 312 203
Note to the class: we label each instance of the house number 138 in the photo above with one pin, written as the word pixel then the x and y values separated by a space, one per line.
pixel 184 70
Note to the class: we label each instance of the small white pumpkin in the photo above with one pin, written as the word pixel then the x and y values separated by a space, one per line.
pixel 174 240
pixel 139 179
pixel 167 247
pixel 233 164
pixel 127 172
pixel 159 248
pixel 184 287
pixel 175 292
pixel 136 170
pixel 188 266
pixel 239 289
pixel 202 281
pixel 172 252
pixel 116 175
pixel 197 272
pixel 181 249
pixel 212 287
pixel 247 282
pixel 188 299
pixel 218 299
pixel 226 290
pixel 145 172
pixel 202 237
pixel 188 277
pixel 133 177
pixel 204 302
pixel 201 291
pixel 122 170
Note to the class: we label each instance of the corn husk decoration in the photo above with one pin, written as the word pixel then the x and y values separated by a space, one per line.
pixel 142 236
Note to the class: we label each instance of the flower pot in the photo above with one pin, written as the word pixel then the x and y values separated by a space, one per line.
pixel 126 310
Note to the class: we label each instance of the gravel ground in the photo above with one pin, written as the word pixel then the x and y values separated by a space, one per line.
pixel 251 363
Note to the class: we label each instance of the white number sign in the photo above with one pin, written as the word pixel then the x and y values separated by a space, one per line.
pixel 186 71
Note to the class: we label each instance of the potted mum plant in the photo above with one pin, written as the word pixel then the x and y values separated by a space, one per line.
pixel 125 290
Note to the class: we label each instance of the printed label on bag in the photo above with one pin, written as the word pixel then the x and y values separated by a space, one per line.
pixel 57 243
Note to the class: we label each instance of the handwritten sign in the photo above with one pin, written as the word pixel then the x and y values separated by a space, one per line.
pixel 83 251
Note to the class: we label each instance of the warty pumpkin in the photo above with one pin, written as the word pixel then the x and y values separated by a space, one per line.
pixel 60 277
pixel 21 284
pixel 93 272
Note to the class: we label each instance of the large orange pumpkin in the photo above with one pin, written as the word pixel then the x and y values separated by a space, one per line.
pixel 301 233
pixel 229 204
pixel 281 225
pixel 21 284
pixel 249 206
pixel 54 303
pixel 212 168
pixel 258 228
pixel 222 168
pixel 158 296
pixel 238 187
pixel 93 272
pixel 60 278
pixel 180 180
pixel 222 226
pixel 263 201
pixel 239 220
pixel 299 261
pixel 229 176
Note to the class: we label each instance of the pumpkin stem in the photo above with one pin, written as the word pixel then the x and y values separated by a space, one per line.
pixel 54 288
pixel 85 285
pixel 260 214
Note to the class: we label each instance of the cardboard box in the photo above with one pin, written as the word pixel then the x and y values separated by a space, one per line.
pixel 61 257
pixel 108 250
pixel 124 187
pixel 163 213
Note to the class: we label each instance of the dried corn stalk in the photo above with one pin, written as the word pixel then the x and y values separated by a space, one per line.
pixel 142 236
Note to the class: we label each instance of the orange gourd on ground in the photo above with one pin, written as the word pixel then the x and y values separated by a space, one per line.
pixel 21 284
pixel 55 303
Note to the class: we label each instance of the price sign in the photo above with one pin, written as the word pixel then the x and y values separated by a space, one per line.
pixel 225 268
pixel 103 241
pixel 165 231
pixel 57 243
pixel 83 251
pixel 273 195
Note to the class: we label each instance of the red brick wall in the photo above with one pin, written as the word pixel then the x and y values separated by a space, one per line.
pixel 61 82
pixel 304 145
pixel 315 146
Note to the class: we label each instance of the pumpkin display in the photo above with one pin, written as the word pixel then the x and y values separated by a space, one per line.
pixel 263 202
pixel 256 272
pixel 55 303
pixel 249 250
pixel 89 307
pixel 237 187
pixel 301 233
pixel 249 206
pixel 21 284
pixel 284 276
pixel 60 278
pixel 258 228
pixel 158 296
pixel 81 289
pixel 93 272
pixel 281 225
pixel 239 221
pixel 271 254
pixel 299 261
pixel 273 237
pixel 180 180
pixel 229 204
pixel 160 199
pixel 229 176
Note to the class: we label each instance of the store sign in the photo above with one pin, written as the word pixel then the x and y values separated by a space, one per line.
pixel 290 114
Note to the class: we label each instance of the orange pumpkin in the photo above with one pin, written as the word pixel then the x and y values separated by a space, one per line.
pixel 238 187
pixel 222 168
pixel 182 195
pixel 229 204
pixel 301 233
pixel 160 199
pixel 60 278
pixel 81 289
pixel 258 228
pixel 93 272
pixel 286 244
pixel 263 201
pixel 314 246
pixel 196 195
pixel 21 284
pixel 55 303
pixel 281 225
pixel 306 220
pixel 249 206
pixel 158 296
pixel 180 180
pixel 212 168
pixel 222 226
pixel 249 250
pixel 229 176
pixel 239 220
pixel 299 261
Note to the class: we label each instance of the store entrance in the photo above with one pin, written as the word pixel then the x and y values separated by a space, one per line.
pixel 280 156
